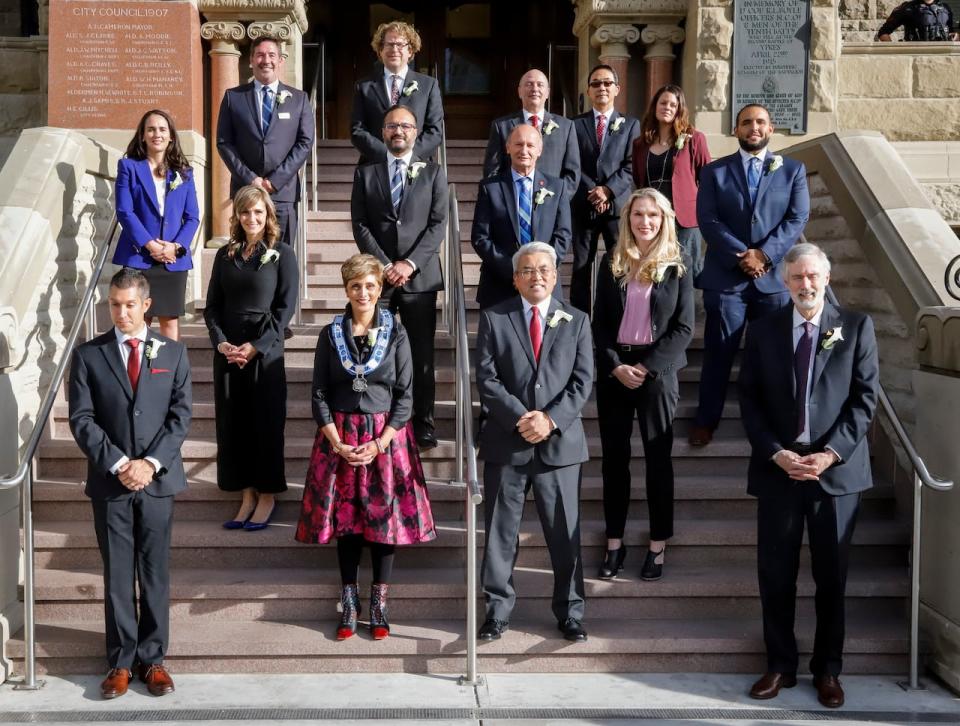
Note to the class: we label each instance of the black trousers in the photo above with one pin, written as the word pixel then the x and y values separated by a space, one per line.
pixel 133 534
pixel 288 220
pixel 418 313
pixel 586 237
pixel 830 522
pixel 653 405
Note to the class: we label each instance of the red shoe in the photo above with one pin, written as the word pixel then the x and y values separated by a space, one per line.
pixel 379 627
pixel 350 611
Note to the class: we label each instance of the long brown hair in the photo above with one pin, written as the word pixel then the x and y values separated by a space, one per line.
pixel 246 197
pixel 174 158
pixel 650 128
pixel 628 262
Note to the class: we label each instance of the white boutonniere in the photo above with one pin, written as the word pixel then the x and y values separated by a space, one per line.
pixel 681 140
pixel 615 126
pixel 153 348
pixel 549 127
pixel 661 272
pixel 283 96
pixel 557 316
pixel 414 170
pixel 832 337
pixel 372 334
pixel 541 196
pixel 410 88
pixel 776 161
pixel 176 181
pixel 268 257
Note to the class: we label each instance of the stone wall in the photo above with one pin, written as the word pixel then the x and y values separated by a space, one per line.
pixel 10 19
pixel 860 19
pixel 23 88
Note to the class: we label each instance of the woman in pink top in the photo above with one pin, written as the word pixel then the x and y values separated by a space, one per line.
pixel 642 325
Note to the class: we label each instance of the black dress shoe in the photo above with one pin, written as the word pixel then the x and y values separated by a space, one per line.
pixel 493 629
pixel 770 684
pixel 613 563
pixel 572 630
pixel 829 691
pixel 427 440
pixel 652 570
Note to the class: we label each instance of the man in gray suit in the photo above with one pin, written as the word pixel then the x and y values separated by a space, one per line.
pixel 534 375
pixel 399 213
pixel 130 408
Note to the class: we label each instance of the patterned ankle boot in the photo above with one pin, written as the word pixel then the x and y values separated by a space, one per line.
pixel 379 627
pixel 350 611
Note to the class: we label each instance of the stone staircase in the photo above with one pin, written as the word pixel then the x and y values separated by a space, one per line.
pixel 260 602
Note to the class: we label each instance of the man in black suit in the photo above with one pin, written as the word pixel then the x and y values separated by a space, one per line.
pixel 605 140
pixel 560 156
pixel 520 205
pixel 808 392
pixel 265 132
pixel 130 408
pixel 396 84
pixel 399 213
pixel 534 375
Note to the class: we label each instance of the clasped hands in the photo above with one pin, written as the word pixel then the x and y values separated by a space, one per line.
pixel 161 251
pixel 261 183
pixel 362 455
pixel 238 354
pixel 804 468
pixel 535 426
pixel 630 376
pixel 399 273
pixel 753 263
pixel 136 474
pixel 600 197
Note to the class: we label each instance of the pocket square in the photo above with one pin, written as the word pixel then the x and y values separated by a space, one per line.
pixel 159 370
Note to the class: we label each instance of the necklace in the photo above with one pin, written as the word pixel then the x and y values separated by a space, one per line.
pixel 662 176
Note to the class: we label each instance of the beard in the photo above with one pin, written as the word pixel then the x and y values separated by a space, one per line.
pixel 807 300
pixel 751 147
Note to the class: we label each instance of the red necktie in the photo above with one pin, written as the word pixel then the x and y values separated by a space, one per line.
pixel 533 121
pixel 601 126
pixel 133 362
pixel 536 334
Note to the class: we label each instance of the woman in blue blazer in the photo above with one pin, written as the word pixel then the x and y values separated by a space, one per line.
pixel 158 213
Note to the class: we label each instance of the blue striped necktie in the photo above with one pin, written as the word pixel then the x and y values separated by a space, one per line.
pixel 524 187
pixel 396 186
pixel 267 110
pixel 753 178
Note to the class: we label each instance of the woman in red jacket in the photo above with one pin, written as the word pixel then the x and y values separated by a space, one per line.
pixel 668 156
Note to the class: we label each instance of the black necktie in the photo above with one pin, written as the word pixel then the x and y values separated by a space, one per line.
pixel 801 373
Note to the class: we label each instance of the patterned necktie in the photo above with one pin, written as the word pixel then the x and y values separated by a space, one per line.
pixel 753 178
pixel 801 373
pixel 536 332
pixel 534 120
pixel 267 110
pixel 396 186
pixel 601 127
pixel 394 90
pixel 524 187
pixel 133 362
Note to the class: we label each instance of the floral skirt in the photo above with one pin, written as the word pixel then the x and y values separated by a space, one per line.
pixel 385 502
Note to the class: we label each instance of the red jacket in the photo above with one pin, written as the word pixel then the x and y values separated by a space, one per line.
pixel 687 165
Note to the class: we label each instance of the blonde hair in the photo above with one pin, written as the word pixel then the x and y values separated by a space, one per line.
pixel 245 198
pixel 361 265
pixel 628 262
pixel 400 28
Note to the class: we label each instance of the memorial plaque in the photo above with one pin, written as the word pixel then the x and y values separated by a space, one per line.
pixel 771 50
pixel 113 60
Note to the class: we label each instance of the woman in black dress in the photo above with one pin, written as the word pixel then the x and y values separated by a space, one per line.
pixel 250 300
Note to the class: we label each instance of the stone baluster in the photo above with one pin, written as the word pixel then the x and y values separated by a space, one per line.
pixel 612 40
pixel 659 57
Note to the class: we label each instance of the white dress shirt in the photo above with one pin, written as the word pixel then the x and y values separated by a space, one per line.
pixel 538 114
pixel 543 307
pixel 161 186
pixel 606 120
pixel 258 87
pixel 125 352
pixel 798 321
pixel 516 192
pixel 388 79
pixel 746 157
pixel 391 166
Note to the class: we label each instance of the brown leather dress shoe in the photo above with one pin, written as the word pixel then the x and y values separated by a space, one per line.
pixel 829 691
pixel 158 681
pixel 770 684
pixel 700 436
pixel 115 684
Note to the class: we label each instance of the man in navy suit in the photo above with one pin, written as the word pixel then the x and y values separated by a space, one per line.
pixel 560 156
pixel 396 84
pixel 265 132
pixel 752 207
pixel 521 205
pixel 399 213
pixel 605 139
pixel 130 408
pixel 808 392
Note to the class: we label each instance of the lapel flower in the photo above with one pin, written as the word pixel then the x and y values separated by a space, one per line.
pixel 153 348
pixel 413 171
pixel 372 334
pixel 681 140
pixel 832 337
pixel 617 123
pixel 557 316
pixel 776 161
pixel 541 196
pixel 661 272
pixel 268 257
pixel 176 181
pixel 410 88
pixel 549 127
pixel 283 96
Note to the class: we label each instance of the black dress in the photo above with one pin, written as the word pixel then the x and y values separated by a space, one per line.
pixel 252 302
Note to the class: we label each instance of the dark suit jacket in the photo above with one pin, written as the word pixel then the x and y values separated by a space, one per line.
pixel 370 104
pixel 671 314
pixel 843 398
pixel 110 421
pixel 415 233
pixel 609 166
pixel 511 383
pixel 138 212
pixel 730 224
pixel 496 230
pixel 688 164
pixel 560 157
pixel 280 154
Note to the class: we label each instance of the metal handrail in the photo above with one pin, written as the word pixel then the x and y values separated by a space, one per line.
pixel 23 477
pixel 921 478
pixel 446 296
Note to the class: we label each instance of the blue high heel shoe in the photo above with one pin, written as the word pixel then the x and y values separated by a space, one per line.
pixel 257 526
pixel 238 523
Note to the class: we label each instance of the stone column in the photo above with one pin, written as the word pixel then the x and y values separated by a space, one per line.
pixel 224 74
pixel 659 57
pixel 612 40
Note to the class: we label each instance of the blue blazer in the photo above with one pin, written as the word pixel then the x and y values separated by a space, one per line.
pixel 730 223
pixel 138 212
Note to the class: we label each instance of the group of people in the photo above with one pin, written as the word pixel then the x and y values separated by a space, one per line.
pixel 671 219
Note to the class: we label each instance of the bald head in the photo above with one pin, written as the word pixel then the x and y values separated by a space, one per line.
pixel 534 89
pixel 524 147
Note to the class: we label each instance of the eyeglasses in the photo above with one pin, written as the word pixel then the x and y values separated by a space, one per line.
pixel 400 45
pixel 604 84
pixel 528 273
pixel 406 128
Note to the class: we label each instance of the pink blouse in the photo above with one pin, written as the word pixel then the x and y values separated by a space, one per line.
pixel 636 327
